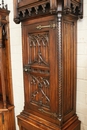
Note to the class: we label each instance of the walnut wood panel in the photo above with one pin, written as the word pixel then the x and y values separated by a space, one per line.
pixel 68 63
pixel 69 68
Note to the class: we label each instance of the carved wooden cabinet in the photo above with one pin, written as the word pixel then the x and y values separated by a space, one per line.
pixel 49 32
pixel 7 121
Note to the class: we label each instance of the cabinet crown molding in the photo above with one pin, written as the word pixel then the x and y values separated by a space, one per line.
pixel 28 9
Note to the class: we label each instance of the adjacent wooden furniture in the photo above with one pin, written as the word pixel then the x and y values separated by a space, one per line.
pixel 49 35
pixel 7 121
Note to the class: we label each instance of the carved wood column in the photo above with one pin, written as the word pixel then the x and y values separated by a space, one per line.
pixel 59 31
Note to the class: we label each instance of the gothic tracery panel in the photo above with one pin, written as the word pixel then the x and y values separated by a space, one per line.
pixel 40 91
pixel 38 64
pixel 38 49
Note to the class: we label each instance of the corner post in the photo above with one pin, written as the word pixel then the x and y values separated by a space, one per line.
pixel 60 66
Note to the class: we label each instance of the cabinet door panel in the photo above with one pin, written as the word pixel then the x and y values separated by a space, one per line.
pixel 39 57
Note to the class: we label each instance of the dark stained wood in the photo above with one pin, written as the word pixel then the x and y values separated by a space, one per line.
pixel 7 121
pixel 49 45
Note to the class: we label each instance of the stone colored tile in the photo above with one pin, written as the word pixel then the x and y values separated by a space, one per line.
pixel 82 23
pixel 82 36
pixel 17 49
pixel 81 97
pixel 85 73
pixel 83 119
pixel 81 61
pixel 82 109
pixel 81 49
pixel 85 9
pixel 85 2
pixel 80 73
pixel 86 98
pixel 83 127
pixel 82 85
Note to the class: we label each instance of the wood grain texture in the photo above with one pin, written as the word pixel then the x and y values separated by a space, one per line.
pixel 49 44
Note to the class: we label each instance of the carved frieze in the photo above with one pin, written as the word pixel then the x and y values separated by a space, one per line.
pixel 48 7
pixel 33 11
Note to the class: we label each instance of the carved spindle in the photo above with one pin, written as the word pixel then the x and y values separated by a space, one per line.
pixel 36 9
pixel 29 10
pixel 44 8
pixel 23 12
pixel 73 7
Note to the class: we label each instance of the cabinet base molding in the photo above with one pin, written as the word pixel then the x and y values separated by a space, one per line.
pixel 32 122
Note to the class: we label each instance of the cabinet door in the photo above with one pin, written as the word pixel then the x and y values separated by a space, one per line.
pixel 40 68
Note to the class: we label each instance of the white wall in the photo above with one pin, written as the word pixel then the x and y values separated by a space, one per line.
pixel 82 69
pixel 16 61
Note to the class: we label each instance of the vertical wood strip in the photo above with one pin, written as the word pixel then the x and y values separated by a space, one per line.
pixel 59 31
